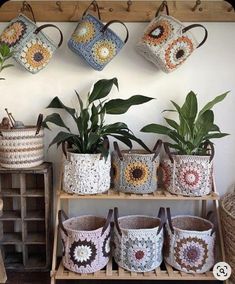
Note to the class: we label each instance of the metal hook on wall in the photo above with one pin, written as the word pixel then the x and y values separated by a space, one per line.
pixel 129 3
pixel 197 4
pixel 59 6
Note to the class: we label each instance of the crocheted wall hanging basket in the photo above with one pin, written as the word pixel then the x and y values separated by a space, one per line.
pixel 188 175
pixel 86 242
pixel 138 241
pixel 95 42
pixel 135 171
pixel 32 48
pixel 189 243
pixel 22 147
pixel 167 42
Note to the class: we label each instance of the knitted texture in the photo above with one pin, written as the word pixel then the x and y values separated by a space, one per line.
pixel 164 44
pixel 97 48
pixel 136 173
pixel 86 174
pixel 139 248
pixel 191 247
pixel 21 148
pixel 85 249
pixel 188 175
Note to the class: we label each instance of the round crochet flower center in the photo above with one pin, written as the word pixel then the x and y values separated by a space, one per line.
pixel 190 176
pixel 178 51
pixel 158 32
pixel 137 173
pixel 103 51
pixel 139 254
pixel 12 34
pixel 84 32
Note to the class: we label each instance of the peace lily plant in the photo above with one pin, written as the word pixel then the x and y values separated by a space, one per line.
pixel 5 55
pixel 188 170
pixel 85 170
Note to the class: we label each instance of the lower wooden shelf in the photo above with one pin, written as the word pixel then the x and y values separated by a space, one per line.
pixel 111 271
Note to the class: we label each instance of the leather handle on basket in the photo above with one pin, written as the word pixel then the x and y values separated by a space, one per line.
pixel 105 145
pixel 116 223
pixel 64 149
pixel 95 4
pixel 168 212
pixel 184 30
pixel 27 7
pixel 157 149
pixel 211 149
pixel 61 214
pixel 162 216
pixel 108 220
pixel 168 152
pixel 50 26
pixel 39 123
pixel 117 149
pixel 116 21
pixel 211 217
pixel 161 8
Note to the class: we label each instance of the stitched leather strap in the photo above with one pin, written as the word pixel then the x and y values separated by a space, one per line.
pixel 162 217
pixel 95 4
pixel 157 149
pixel 209 146
pixel 161 8
pixel 168 152
pixel 108 220
pixel 27 7
pixel 64 149
pixel 168 212
pixel 211 217
pixel 105 145
pixel 116 223
pixel 61 214
pixel 116 21
pixel 50 26
pixel 184 30
pixel 39 123
pixel 117 149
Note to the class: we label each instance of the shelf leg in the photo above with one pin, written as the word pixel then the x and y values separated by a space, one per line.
pixel 203 209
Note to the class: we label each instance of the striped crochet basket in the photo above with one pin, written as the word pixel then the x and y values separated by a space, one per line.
pixel 21 148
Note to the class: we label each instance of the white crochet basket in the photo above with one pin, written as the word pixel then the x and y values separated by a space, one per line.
pixel 189 243
pixel 138 241
pixel 86 173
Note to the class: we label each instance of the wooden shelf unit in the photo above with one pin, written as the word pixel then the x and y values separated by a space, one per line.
pixel 25 225
pixel 112 271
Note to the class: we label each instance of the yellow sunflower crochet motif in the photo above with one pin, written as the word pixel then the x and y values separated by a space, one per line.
pixel 84 32
pixel 136 173
pixel 103 51
pixel 13 33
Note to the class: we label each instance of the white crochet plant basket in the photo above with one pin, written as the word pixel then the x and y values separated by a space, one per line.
pixel 86 242
pixel 86 173
pixel 189 243
pixel 138 241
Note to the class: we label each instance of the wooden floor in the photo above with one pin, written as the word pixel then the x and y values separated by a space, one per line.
pixel 44 278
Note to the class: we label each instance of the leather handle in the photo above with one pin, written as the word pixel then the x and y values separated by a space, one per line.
pixel 211 149
pixel 116 21
pixel 50 26
pixel 105 145
pixel 116 223
pixel 161 8
pixel 157 149
pixel 184 30
pixel 108 220
pixel 27 7
pixel 211 217
pixel 168 152
pixel 117 149
pixel 64 149
pixel 95 4
pixel 39 123
pixel 61 214
pixel 162 217
pixel 168 211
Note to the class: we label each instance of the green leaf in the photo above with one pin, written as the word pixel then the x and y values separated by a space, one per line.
pixel 80 101
pixel 172 123
pixel 61 137
pixel 210 105
pixel 102 88
pixel 119 106
pixel 203 125
pixel 4 50
pixel 215 135
pixel 189 109
pixel 215 128
pixel 124 140
pixel 92 140
pixel 94 117
pixel 7 66
pixel 56 119
pixel 156 128
pixel 57 103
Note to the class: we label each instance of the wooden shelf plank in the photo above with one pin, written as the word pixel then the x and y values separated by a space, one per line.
pixel 11 238
pixel 32 192
pixel 10 192
pixel 10 215
pixel 34 216
pixel 35 238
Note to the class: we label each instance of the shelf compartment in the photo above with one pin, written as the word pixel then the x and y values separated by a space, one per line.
pixel 35 238
pixel 10 192
pixel 36 256
pixel 160 194
pixel 10 215
pixel 34 215
pixel 12 238
pixel 34 192
pixel 165 272
pixel 13 256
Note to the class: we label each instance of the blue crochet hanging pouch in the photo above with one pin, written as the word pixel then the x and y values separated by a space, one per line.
pixel 32 48
pixel 95 42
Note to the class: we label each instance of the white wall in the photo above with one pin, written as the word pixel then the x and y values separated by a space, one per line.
pixel 208 72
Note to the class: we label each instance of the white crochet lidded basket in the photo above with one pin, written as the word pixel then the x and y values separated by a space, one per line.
pixel 189 243
pixel 138 241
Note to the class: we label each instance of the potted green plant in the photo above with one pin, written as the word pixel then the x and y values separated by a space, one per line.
pixel 188 170
pixel 87 167
pixel 5 55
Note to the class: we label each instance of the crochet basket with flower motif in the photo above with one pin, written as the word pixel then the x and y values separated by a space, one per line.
pixel 86 242
pixel 32 48
pixel 189 243
pixel 138 241
pixel 135 171
pixel 167 42
pixel 94 41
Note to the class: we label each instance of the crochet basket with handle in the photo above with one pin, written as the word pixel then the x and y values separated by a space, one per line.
pixel 22 147
pixel 95 42
pixel 189 243
pixel 167 42
pixel 86 242
pixel 135 171
pixel 138 241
